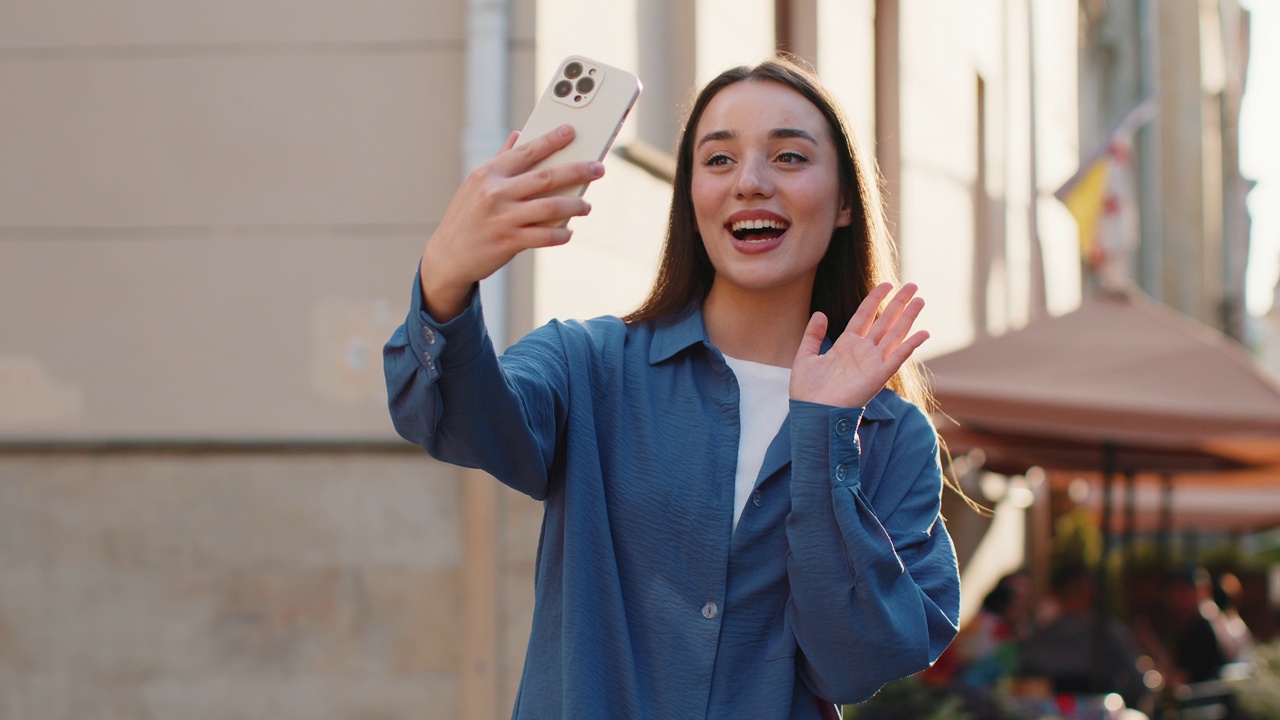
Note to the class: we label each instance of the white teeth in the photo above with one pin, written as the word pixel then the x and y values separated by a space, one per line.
pixel 758 225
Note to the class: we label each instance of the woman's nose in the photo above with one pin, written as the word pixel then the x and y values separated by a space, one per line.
pixel 753 179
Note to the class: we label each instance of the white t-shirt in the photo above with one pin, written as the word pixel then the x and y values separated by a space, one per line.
pixel 764 397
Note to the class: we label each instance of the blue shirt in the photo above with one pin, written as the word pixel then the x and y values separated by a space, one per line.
pixel 839 578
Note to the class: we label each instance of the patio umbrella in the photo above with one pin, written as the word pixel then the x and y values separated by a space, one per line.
pixel 1123 384
pixel 1122 375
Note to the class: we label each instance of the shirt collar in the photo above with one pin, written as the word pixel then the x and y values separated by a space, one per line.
pixel 876 409
pixel 669 339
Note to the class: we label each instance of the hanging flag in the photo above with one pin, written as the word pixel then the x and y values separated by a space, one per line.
pixel 1084 195
pixel 1102 196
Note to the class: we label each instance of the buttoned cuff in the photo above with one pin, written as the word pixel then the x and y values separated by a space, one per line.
pixel 824 444
pixel 465 335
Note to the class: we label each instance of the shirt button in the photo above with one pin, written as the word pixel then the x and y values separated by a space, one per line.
pixel 843 426
pixel 757 497
pixel 709 610
pixel 429 335
pixel 430 363
pixel 840 473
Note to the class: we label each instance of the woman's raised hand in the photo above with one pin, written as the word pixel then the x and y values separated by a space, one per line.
pixel 497 212
pixel 865 357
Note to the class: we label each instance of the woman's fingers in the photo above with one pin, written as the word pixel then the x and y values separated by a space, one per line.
pixel 814 333
pixel 890 326
pixel 873 323
pixel 861 322
pixel 875 345
pixel 503 207
pixel 510 187
pixel 497 200
pixel 543 236
pixel 548 180
pixel 548 210
pixel 900 353
pixel 521 158
pixel 537 223
pixel 897 332
pixel 887 328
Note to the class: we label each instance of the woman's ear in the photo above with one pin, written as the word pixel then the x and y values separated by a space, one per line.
pixel 844 218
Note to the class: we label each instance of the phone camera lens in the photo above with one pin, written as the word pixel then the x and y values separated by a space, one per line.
pixel 563 88
pixel 586 85
pixel 573 70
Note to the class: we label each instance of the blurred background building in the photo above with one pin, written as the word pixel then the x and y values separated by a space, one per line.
pixel 210 216
pixel 1183 65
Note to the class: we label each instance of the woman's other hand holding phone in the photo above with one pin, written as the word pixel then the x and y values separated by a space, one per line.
pixel 497 212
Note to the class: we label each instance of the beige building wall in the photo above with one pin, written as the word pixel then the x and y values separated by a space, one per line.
pixel 1193 80
pixel 217 586
pixel 210 214
pixel 970 178
pixel 1057 123
pixel 1194 222
pixel 1190 238
pixel 211 211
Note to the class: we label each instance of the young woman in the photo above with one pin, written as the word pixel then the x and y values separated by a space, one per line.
pixel 740 519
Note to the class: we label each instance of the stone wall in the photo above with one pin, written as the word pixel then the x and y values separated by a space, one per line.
pixel 230 585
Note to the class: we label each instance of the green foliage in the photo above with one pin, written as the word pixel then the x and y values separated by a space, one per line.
pixel 1259 695
pixel 1268 548
pixel 1267 556
pixel 913 699
pixel 1077 541
pixel 1226 557
pixel 908 699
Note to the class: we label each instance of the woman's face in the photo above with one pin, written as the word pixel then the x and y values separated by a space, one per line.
pixel 765 188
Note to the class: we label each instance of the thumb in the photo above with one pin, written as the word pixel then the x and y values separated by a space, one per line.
pixel 814 333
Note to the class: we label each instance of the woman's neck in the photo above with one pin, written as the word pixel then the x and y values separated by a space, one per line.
pixel 759 327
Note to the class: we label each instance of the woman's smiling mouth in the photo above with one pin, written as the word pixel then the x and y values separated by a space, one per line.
pixel 759 229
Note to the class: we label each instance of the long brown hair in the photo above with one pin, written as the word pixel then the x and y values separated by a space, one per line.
pixel 859 257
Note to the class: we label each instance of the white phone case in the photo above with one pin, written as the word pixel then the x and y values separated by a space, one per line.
pixel 596 113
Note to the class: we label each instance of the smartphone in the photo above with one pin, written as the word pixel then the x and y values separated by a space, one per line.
pixel 592 97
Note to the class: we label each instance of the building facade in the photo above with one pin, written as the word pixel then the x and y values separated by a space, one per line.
pixel 210 216
pixel 1190 58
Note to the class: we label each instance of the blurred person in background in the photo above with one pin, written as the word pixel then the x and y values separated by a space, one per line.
pixel 1238 640
pixel 1063 650
pixel 1201 641
pixel 987 647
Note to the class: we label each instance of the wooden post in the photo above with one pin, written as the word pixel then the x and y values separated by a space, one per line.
pixel 1165 543
pixel 1130 522
pixel 1102 590
pixel 479 686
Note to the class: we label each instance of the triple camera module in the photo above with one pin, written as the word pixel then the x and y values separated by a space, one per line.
pixel 576 82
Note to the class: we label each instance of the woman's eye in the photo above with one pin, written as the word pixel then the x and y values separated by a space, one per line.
pixel 792 157
pixel 717 159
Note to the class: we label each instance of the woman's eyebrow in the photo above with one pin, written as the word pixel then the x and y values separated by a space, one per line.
pixel 777 134
pixel 782 133
pixel 715 135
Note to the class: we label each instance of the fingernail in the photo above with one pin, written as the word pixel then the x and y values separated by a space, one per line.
pixel 565 130
pixel 597 169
